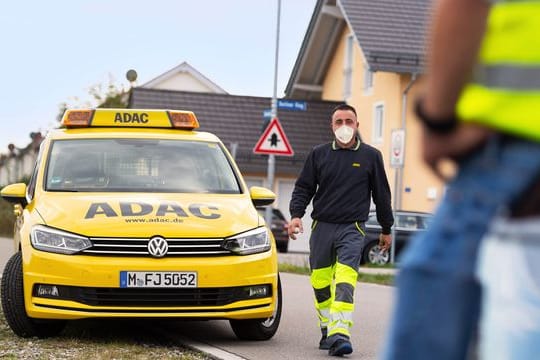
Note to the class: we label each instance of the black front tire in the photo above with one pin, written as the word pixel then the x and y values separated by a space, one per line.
pixel 259 329
pixel 12 292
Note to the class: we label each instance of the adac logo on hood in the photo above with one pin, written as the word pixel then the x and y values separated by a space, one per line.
pixel 138 208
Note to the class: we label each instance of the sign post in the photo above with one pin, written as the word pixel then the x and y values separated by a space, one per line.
pixel 397 157
pixel 271 158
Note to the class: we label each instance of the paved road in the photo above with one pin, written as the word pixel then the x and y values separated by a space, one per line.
pixel 298 335
pixel 6 250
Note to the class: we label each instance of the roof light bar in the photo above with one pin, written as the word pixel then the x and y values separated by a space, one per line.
pixel 183 119
pixel 77 118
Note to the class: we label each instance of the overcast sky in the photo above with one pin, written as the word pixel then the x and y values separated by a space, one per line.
pixel 53 51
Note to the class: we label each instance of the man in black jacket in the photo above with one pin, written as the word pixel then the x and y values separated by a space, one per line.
pixel 341 177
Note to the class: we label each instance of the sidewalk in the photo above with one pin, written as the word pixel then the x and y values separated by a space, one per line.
pixel 302 259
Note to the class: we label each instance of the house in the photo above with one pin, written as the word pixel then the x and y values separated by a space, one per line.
pixel 370 54
pixel 19 163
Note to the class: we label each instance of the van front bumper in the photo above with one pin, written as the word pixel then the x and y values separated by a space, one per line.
pixel 78 286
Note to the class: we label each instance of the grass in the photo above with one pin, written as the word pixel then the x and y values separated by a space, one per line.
pixel 95 339
pixel 385 266
pixel 7 218
pixel 381 279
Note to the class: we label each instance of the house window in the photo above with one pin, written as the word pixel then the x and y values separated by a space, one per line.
pixel 347 67
pixel 378 123
pixel 368 79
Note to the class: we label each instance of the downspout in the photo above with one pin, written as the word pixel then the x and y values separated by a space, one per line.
pixel 404 127
pixel 398 180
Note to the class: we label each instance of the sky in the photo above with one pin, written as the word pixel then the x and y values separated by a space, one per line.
pixel 53 52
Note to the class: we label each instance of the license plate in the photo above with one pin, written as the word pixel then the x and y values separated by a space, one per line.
pixel 158 279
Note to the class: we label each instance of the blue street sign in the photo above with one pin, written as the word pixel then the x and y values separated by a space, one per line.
pixel 267 113
pixel 293 105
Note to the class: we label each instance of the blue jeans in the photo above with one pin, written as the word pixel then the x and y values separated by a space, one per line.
pixel 438 296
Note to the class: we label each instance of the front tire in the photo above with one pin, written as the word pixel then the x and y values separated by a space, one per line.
pixel 259 329
pixel 12 292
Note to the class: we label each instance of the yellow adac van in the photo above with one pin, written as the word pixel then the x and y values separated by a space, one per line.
pixel 134 213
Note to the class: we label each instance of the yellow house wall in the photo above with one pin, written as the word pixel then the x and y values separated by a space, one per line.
pixel 421 190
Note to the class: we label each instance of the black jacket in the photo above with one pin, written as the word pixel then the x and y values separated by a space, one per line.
pixel 342 183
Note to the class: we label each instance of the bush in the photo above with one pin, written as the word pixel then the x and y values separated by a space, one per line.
pixel 7 219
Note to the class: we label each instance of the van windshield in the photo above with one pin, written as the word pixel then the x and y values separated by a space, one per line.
pixel 139 165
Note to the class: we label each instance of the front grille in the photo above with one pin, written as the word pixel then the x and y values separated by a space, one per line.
pixel 151 297
pixel 139 247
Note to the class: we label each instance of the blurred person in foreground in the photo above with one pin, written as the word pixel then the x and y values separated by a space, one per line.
pixel 481 109
pixel 341 176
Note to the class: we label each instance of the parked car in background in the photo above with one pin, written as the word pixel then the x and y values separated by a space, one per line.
pixel 406 225
pixel 279 228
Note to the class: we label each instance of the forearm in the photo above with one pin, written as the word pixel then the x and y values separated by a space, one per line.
pixel 456 34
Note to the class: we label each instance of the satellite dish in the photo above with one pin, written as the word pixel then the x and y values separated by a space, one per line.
pixel 131 75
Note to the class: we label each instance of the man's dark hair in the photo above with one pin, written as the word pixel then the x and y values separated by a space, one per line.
pixel 343 107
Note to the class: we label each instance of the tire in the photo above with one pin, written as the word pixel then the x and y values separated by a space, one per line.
pixel 12 294
pixel 259 329
pixel 374 255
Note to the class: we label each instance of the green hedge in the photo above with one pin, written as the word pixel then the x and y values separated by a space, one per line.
pixel 6 218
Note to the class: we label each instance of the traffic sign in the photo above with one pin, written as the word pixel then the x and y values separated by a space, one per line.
pixel 273 141
pixel 397 148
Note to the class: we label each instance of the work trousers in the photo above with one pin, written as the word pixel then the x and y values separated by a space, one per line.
pixel 438 295
pixel 335 254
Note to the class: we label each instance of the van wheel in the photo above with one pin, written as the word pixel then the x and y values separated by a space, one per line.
pixel 12 295
pixel 259 329
pixel 374 254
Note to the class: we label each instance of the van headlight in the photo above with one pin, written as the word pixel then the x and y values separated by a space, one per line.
pixel 250 242
pixel 57 241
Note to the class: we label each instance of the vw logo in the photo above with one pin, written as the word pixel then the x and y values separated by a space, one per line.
pixel 158 247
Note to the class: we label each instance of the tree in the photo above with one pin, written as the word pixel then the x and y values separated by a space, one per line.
pixel 111 96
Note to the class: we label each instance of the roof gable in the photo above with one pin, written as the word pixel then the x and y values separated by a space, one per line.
pixel 184 77
pixel 391 34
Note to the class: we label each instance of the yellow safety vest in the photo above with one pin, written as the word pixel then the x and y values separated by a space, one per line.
pixel 505 90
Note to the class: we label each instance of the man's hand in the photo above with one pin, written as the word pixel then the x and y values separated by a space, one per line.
pixel 295 227
pixel 453 146
pixel 385 241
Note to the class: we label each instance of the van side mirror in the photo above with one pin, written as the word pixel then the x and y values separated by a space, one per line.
pixel 15 193
pixel 261 196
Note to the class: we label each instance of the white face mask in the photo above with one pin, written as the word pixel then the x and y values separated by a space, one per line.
pixel 344 134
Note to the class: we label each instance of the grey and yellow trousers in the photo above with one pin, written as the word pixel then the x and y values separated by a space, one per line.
pixel 335 254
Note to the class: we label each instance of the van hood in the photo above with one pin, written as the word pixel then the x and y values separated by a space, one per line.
pixel 146 215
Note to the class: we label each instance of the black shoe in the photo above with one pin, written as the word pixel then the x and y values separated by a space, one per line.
pixel 340 347
pixel 323 343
